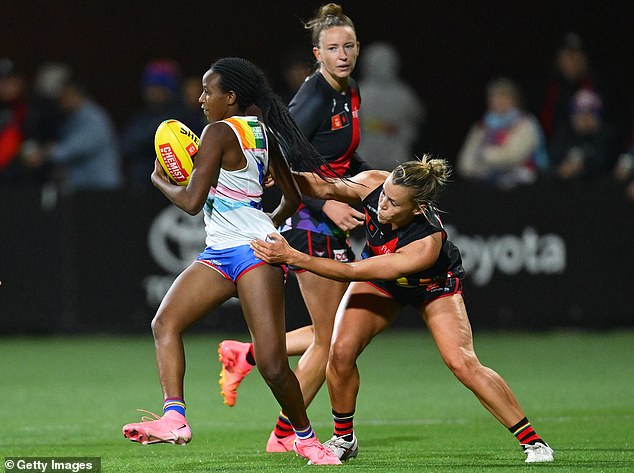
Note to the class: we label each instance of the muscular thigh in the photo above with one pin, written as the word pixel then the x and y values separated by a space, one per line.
pixel 194 293
pixel 322 297
pixel 363 313
pixel 261 292
pixel 448 323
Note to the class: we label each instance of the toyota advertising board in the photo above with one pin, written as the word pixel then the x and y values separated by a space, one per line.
pixel 536 258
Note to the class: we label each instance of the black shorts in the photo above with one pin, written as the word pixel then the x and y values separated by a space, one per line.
pixel 421 295
pixel 320 245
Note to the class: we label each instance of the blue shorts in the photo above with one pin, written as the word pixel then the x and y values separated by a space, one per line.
pixel 234 262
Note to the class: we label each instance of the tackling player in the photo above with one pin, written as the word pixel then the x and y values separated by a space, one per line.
pixel 408 260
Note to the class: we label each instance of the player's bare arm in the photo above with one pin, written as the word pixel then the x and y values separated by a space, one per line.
pixel 351 191
pixel 215 143
pixel 416 256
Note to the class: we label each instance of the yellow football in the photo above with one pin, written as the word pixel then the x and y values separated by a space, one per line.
pixel 176 147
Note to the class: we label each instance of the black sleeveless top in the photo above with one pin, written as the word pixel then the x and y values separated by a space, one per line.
pixel 381 239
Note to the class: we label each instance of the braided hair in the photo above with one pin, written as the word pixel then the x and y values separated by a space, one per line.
pixel 251 88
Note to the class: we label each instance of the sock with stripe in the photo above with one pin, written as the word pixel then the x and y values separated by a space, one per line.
pixel 283 428
pixel 174 404
pixel 525 433
pixel 343 424
pixel 305 434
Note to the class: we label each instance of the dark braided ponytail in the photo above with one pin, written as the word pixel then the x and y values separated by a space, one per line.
pixel 250 86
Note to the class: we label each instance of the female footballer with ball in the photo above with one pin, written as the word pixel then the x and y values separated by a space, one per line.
pixel 226 182
pixel 326 110
pixel 408 261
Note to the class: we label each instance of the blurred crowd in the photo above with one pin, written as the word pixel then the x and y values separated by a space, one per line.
pixel 54 134
pixel 571 137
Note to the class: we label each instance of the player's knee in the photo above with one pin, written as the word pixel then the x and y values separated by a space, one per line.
pixel 464 365
pixel 161 326
pixel 275 373
pixel 157 325
pixel 341 357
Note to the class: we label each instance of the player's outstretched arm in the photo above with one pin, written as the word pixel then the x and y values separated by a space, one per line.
pixel 351 191
pixel 417 256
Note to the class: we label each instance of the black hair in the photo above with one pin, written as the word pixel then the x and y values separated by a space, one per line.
pixel 251 88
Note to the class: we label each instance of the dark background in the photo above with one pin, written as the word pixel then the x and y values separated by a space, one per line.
pixel 450 49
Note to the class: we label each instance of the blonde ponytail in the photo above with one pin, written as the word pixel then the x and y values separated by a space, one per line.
pixel 425 177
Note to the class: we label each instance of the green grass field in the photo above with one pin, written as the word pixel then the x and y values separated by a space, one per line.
pixel 69 396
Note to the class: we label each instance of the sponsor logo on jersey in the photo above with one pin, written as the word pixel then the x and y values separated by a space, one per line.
pixel 385 248
pixel 340 255
pixel 339 121
pixel 372 228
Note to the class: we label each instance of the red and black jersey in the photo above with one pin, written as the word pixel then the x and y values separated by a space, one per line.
pixel 382 239
pixel 330 121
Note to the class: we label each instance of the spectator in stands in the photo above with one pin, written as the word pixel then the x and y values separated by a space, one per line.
pixel 13 111
pixel 572 73
pixel 506 147
pixel 44 118
pixel 587 148
pixel 392 114
pixel 161 101
pixel 86 155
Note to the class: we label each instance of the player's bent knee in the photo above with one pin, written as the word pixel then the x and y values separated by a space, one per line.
pixel 162 325
pixel 274 373
pixel 157 325
pixel 341 359
pixel 464 366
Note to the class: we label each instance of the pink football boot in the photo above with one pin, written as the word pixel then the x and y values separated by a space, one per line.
pixel 171 428
pixel 278 445
pixel 315 452
pixel 232 354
